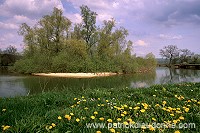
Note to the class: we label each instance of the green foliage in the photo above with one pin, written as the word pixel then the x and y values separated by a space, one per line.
pixel 51 46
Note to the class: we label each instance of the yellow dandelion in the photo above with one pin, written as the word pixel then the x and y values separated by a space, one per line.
pixel 112 130
pixel 95 112
pixel 177 131
pixel 157 105
pixel 119 119
pixel 125 123
pixel 98 131
pixel 99 98
pixel 198 102
pixel 130 108
pixel 164 102
pixel 122 115
pixel 125 112
pixel 151 128
pixel 107 101
pixel 125 106
pixel 102 104
pixel 5 127
pixel 68 117
pixel 181 118
pixel 172 114
pixel 3 110
pixel 92 117
pixel 175 121
pixel 77 120
pixel 71 114
pixel 86 108
pixel 143 127
pixel 187 109
pixel 53 124
pixel 142 110
pixel 83 97
pixel 75 98
pixel 101 119
pixel 59 117
pixel 50 127
pixel 84 100
pixel 109 120
pixel 154 119
pixel 136 108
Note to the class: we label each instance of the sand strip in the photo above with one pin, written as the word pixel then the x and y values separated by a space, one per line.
pixel 76 75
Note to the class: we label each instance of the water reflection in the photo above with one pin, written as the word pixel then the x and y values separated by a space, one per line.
pixel 12 85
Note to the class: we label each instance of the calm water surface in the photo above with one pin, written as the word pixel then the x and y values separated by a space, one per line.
pixel 15 85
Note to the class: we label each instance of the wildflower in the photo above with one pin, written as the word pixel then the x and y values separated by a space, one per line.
pixel 198 102
pixel 86 108
pixel 178 112
pixel 164 102
pixel 50 127
pixel 130 108
pixel 107 101
pixel 125 106
pixel 3 110
pixel 84 100
pixel 98 131
pixel 143 127
pixel 102 119
pixel 92 117
pixel 181 118
pixel 68 117
pixel 154 95
pixel 71 114
pixel 109 120
pixel 77 120
pixel 122 115
pixel 154 119
pixel 5 127
pixel 172 114
pixel 99 99
pixel 136 108
pixel 125 112
pixel 119 119
pixel 98 105
pixel 112 130
pixel 142 110
pixel 78 102
pixel 175 121
pixel 188 101
pixel 75 98
pixel 59 117
pixel 83 97
pixel 187 109
pixel 177 131
pixel 95 112
pixel 151 128
pixel 125 123
pixel 102 104
pixel 53 124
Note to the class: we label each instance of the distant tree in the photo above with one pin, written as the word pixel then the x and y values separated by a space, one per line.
pixel 89 27
pixel 10 50
pixel 195 58
pixel 185 55
pixel 170 52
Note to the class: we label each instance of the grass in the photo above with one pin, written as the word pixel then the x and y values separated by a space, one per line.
pixel 70 111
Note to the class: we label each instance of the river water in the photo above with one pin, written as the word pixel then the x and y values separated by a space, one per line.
pixel 20 85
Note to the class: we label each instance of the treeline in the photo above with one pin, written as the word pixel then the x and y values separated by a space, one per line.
pixel 55 45
pixel 174 55
pixel 8 56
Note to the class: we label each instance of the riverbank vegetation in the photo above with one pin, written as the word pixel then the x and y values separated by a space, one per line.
pixel 54 44
pixel 174 55
pixel 71 111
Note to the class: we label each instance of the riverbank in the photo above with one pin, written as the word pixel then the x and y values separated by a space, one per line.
pixel 76 75
pixel 72 111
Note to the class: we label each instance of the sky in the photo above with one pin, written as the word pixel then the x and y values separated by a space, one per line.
pixel 152 24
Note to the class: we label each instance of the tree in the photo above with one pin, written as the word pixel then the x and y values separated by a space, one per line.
pixel 10 50
pixel 88 27
pixel 185 55
pixel 170 52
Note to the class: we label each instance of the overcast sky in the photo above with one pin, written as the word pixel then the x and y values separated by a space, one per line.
pixel 152 24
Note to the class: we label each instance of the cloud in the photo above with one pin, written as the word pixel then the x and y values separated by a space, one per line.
pixel 8 26
pixel 75 18
pixel 140 43
pixel 170 37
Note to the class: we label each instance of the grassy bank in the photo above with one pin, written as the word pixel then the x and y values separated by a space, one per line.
pixel 70 111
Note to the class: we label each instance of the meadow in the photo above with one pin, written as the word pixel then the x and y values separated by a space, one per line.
pixel 159 108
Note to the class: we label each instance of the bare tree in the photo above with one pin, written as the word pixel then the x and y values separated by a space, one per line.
pixel 170 52
pixel 185 55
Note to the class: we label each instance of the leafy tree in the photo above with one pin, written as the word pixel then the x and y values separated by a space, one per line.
pixel 170 52
pixel 185 55
pixel 88 27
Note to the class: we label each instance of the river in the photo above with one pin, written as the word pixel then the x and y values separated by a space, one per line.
pixel 20 85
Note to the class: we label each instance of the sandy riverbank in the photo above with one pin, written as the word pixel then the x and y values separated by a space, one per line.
pixel 76 75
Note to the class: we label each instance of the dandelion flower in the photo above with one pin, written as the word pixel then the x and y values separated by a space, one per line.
pixel 125 112
pixel 125 123
pixel 119 119
pixel 151 128
pixel 92 117
pixel 50 127
pixel 77 120
pixel 95 112
pixel 177 131
pixel 5 127
pixel 181 118
pixel 102 119
pixel 172 114
pixel 136 108
pixel 86 108
pixel 59 117
pixel 112 130
pixel 98 131
pixel 3 110
pixel 154 119
pixel 68 117
pixel 107 101
pixel 142 110
pixel 109 120
pixel 187 109
pixel 53 124
pixel 71 114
